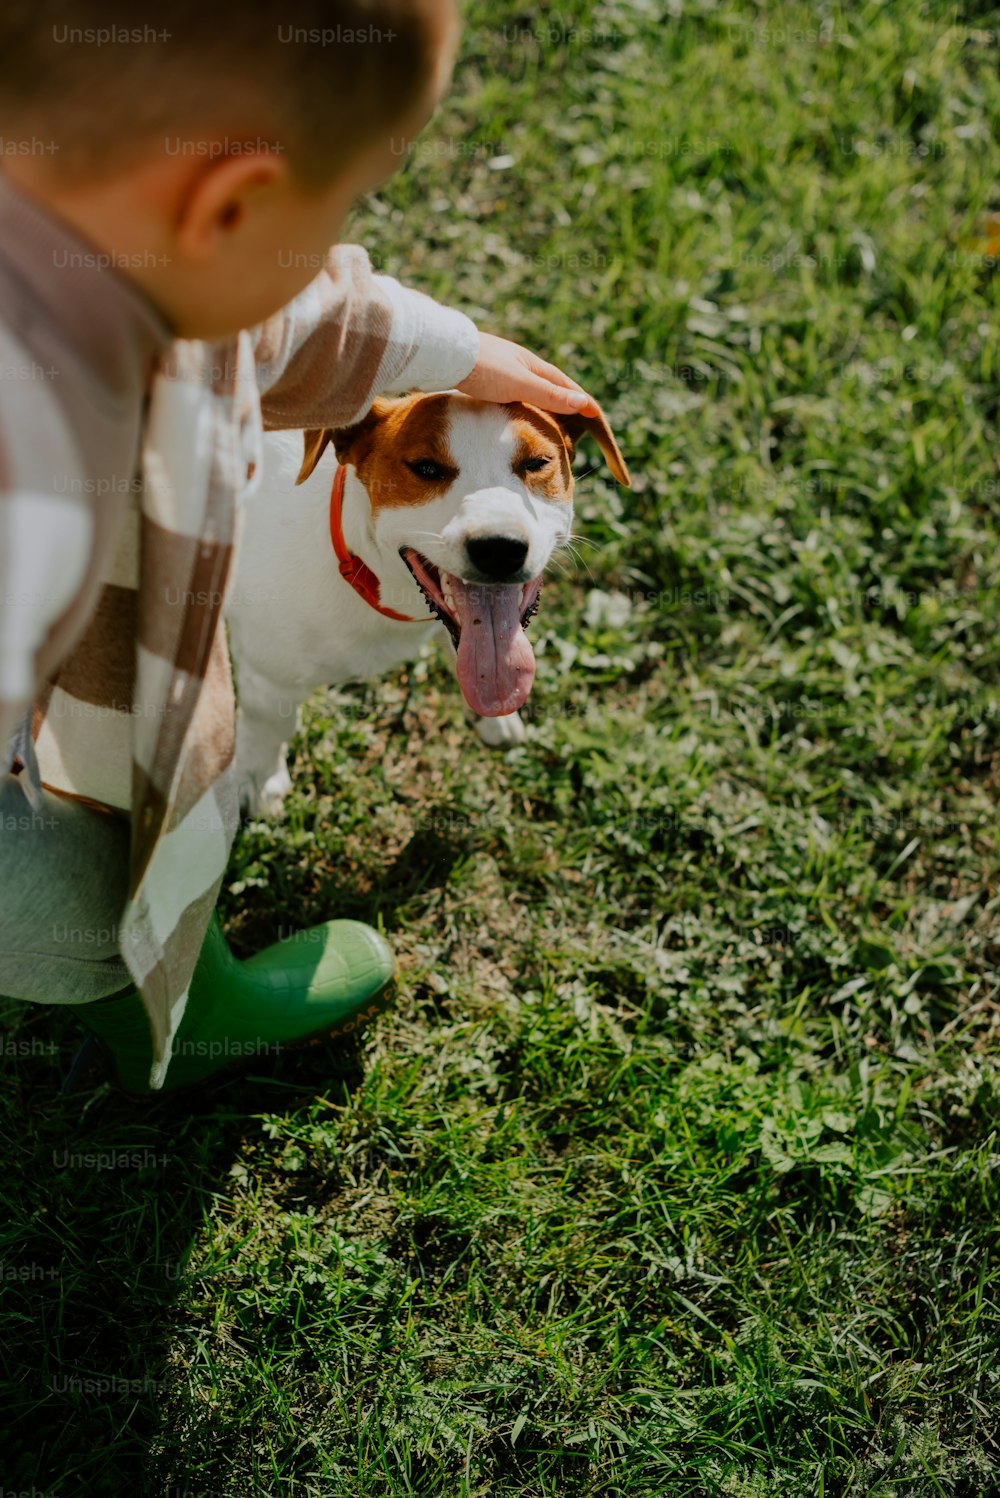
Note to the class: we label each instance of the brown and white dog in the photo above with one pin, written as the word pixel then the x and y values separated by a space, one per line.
pixel 439 522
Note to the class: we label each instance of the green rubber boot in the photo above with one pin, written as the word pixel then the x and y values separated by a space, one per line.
pixel 328 980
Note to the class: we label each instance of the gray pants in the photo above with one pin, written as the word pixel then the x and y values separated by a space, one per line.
pixel 63 885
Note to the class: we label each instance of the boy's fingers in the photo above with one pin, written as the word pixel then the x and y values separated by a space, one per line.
pixel 565 400
pixel 553 376
pixel 507 372
pixel 551 372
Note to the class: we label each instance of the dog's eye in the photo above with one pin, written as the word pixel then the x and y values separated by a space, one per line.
pixel 426 468
pixel 535 465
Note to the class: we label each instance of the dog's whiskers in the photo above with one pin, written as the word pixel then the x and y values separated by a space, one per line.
pixel 581 563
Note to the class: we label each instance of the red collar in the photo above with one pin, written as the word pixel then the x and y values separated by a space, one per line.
pixel 360 576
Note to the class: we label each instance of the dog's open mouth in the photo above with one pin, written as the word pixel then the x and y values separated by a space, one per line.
pixel 496 665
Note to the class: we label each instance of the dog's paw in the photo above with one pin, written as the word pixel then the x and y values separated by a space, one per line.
pixel 265 800
pixel 276 788
pixel 501 733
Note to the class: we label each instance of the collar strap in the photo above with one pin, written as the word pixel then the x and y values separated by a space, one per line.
pixel 352 569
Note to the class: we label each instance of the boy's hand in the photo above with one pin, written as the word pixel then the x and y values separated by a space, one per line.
pixel 507 372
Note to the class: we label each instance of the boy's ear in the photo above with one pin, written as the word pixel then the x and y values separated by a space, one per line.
pixel 219 198
pixel 349 443
pixel 574 427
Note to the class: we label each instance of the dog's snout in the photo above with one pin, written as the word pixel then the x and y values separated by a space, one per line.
pixel 497 557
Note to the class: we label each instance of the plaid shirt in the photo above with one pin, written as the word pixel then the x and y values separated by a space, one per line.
pixel 124 458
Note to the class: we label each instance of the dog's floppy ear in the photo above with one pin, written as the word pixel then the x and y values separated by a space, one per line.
pixel 574 428
pixel 349 443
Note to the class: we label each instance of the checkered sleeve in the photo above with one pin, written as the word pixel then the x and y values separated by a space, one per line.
pixel 352 335
pixel 46 535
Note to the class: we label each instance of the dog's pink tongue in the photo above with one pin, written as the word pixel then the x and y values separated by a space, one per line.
pixel 496 665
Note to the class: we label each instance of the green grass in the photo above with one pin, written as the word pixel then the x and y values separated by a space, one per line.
pixel 675 1169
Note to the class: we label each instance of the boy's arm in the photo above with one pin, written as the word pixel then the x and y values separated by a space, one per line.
pixel 352 335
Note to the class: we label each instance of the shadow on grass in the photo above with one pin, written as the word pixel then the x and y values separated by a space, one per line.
pixel 103 1198
pixel 322 890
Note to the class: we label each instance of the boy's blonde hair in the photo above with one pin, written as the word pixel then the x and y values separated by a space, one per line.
pixel 84 82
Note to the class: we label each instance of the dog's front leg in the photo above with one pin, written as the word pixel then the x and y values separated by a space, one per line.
pixel 266 719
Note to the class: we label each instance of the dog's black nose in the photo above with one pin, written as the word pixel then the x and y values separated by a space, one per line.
pixel 497 557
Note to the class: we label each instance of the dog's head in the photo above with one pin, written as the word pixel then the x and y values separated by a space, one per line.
pixel 472 499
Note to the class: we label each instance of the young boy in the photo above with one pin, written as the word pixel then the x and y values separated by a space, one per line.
pixel 165 191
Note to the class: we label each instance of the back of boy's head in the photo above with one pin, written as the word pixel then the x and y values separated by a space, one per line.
pixel 320 80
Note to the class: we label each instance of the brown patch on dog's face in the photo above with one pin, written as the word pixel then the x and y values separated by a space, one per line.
pixel 541 454
pixel 400 451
